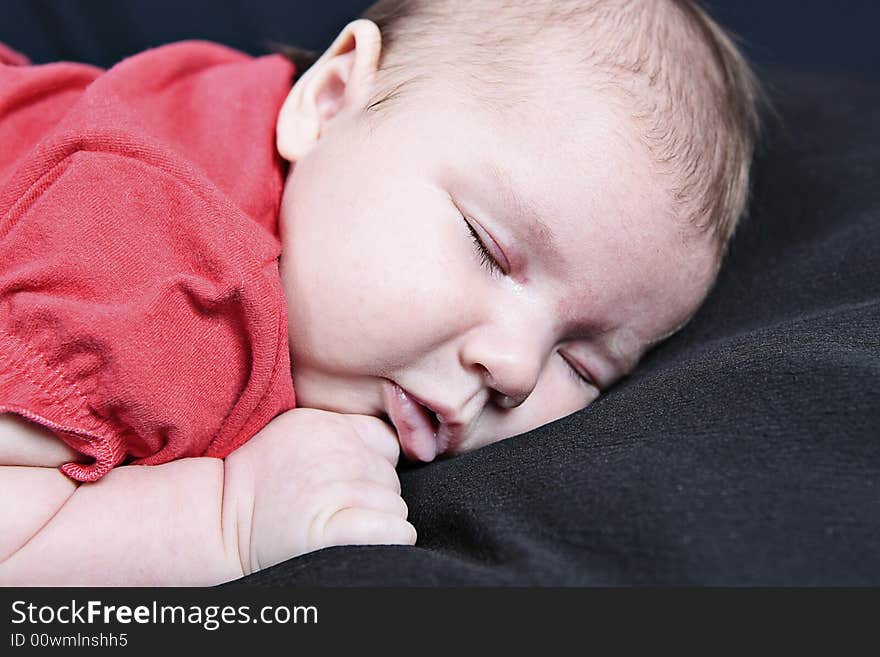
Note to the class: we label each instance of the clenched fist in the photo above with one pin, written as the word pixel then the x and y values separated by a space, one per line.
pixel 312 479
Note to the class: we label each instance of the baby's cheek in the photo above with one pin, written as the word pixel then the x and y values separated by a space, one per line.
pixel 553 398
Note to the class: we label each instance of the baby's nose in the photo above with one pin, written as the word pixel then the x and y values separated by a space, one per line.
pixel 510 368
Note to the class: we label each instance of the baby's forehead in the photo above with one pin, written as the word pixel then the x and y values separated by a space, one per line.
pixel 603 237
pixel 576 158
pixel 557 96
pixel 565 155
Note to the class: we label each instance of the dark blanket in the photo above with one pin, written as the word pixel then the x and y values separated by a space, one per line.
pixel 744 451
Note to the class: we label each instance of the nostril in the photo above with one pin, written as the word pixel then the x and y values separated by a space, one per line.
pixel 505 401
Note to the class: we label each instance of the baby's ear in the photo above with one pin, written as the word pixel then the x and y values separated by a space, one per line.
pixel 343 77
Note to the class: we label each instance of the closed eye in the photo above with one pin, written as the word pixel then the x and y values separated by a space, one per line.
pixel 484 253
pixel 486 258
pixel 577 374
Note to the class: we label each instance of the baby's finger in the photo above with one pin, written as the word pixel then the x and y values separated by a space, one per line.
pixel 366 494
pixel 358 526
pixel 382 472
pixel 377 435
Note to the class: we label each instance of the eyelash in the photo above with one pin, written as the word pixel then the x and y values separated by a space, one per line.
pixel 486 258
pixel 576 375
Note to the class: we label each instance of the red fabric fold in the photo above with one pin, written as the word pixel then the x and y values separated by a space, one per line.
pixel 142 317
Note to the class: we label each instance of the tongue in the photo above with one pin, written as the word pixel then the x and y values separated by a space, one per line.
pixel 413 419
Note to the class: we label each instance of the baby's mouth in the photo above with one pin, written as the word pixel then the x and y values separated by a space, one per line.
pixel 416 425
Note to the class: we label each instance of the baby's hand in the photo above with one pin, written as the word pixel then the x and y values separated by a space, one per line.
pixel 312 479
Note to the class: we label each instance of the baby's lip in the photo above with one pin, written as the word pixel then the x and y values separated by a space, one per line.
pixel 450 429
pixel 425 429
pixel 416 429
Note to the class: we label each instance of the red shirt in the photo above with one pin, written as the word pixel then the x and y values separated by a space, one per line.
pixel 142 317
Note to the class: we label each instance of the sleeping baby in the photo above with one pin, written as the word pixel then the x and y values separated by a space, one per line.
pixel 233 290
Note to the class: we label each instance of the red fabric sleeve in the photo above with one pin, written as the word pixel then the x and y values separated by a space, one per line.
pixel 142 317
pixel 139 318
pixel 12 57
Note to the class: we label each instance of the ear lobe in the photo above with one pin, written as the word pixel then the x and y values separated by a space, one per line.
pixel 343 77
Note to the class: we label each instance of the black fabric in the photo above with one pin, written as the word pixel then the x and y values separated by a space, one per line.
pixel 744 451
pixel 817 35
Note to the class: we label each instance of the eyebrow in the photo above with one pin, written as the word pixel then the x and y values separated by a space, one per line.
pixel 537 230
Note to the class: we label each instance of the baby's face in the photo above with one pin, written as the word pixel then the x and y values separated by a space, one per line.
pixel 500 268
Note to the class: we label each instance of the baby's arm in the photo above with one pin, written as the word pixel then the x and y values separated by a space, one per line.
pixel 137 525
pixel 307 480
